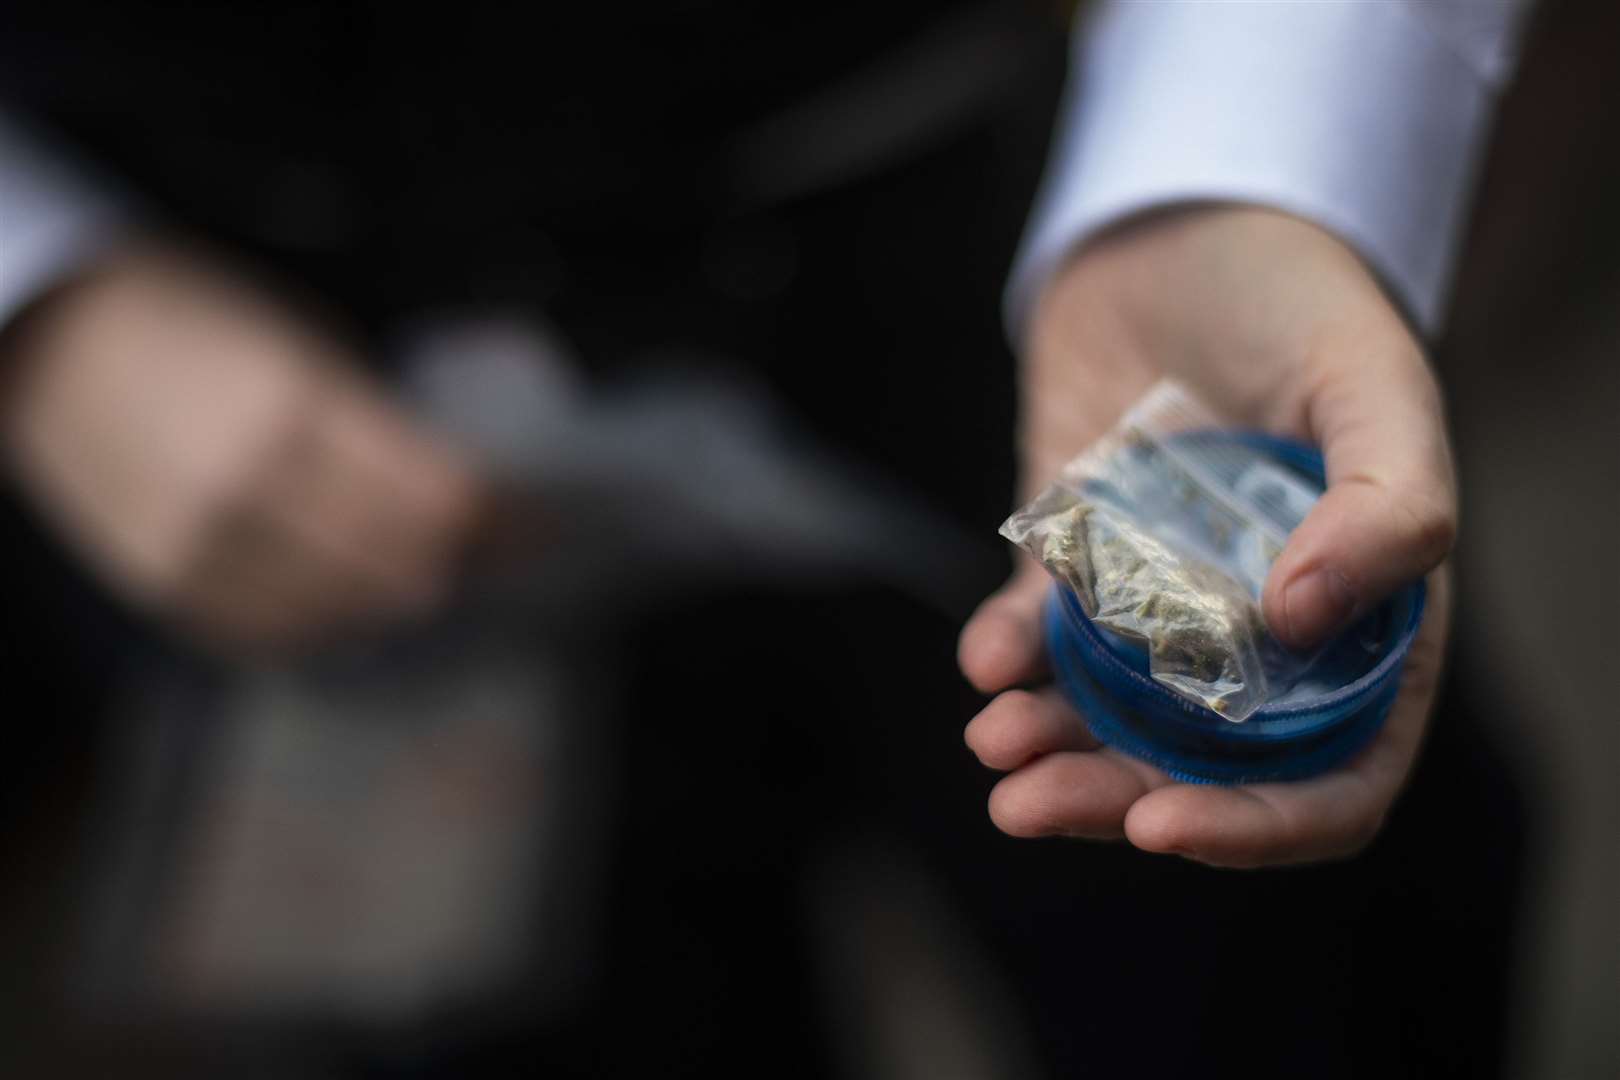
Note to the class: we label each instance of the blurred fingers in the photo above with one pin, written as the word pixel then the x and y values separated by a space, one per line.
pixel 355 518
pixel 373 495
pixel 258 589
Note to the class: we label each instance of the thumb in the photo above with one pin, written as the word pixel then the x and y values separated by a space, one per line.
pixel 1389 514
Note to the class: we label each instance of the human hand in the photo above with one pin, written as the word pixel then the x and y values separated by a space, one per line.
pixel 1279 326
pixel 221 463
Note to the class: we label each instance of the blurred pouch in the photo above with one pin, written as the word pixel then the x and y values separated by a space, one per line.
pixel 1164 529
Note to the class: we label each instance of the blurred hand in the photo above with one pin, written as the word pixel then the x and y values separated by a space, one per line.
pixel 221 463
pixel 1279 326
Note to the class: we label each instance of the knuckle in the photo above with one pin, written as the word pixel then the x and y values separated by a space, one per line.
pixel 1429 523
pixel 1424 518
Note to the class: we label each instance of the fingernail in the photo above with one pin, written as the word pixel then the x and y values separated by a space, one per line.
pixel 1315 605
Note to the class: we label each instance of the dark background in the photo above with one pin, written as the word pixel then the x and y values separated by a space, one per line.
pixel 830 200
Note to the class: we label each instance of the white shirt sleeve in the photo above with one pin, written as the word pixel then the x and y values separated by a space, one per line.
pixel 53 218
pixel 1368 118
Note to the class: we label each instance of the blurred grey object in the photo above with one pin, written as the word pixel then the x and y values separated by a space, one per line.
pixel 683 478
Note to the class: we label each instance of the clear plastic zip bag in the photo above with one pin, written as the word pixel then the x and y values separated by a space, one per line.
pixel 1165 529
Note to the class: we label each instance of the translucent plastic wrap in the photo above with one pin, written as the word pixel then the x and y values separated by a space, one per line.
pixel 1165 530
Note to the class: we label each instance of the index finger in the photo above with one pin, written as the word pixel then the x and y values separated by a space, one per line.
pixel 1002 645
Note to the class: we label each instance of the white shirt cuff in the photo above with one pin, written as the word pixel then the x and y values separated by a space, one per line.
pixel 52 219
pixel 1368 119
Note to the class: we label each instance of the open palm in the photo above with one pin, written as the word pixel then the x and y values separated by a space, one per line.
pixel 1279 326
